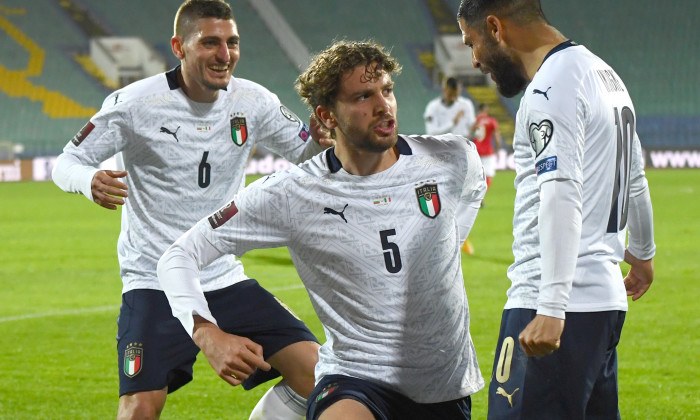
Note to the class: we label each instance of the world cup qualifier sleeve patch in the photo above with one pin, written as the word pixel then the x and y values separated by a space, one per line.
pixel 540 135
pixel 223 215
pixel 83 133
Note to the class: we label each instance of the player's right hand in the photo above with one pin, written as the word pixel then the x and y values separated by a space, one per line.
pixel 107 189
pixel 232 357
pixel 541 336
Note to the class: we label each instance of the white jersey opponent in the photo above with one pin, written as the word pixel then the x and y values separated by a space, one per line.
pixel 378 254
pixel 576 122
pixel 439 118
pixel 184 160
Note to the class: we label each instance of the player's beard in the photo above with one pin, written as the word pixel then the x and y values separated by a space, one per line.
pixel 369 141
pixel 509 74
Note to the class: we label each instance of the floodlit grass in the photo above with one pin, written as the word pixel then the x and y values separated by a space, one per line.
pixel 61 290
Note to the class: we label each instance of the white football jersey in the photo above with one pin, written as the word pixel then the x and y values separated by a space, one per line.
pixel 184 160
pixel 439 118
pixel 379 256
pixel 576 122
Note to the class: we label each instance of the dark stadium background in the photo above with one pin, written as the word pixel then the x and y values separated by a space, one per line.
pixel 651 44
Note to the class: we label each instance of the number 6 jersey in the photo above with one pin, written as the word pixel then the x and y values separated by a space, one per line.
pixel 379 256
pixel 184 160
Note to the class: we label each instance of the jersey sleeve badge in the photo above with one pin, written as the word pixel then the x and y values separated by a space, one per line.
pixel 288 114
pixel 304 133
pixel 540 135
pixel 223 215
pixel 83 133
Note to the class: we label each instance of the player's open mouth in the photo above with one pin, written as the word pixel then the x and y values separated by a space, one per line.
pixel 386 127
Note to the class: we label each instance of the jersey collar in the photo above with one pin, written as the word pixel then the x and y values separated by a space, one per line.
pixel 564 45
pixel 334 164
pixel 171 76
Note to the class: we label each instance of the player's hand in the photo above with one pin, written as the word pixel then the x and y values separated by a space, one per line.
pixel 319 133
pixel 542 335
pixel 107 189
pixel 232 357
pixel 640 276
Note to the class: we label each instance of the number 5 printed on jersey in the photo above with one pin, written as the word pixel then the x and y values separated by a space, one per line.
pixel 392 257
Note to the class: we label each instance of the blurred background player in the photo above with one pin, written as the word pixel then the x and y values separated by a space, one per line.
pixel 485 133
pixel 184 138
pixel 451 113
pixel 580 185
pixel 396 317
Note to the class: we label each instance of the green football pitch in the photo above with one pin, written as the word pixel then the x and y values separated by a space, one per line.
pixel 61 291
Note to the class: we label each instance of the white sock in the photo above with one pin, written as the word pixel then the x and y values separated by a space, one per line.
pixel 280 403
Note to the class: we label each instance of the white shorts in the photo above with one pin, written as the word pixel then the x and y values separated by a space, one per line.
pixel 489 163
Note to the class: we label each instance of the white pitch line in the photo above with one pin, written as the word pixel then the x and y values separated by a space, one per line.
pixel 58 313
pixel 102 308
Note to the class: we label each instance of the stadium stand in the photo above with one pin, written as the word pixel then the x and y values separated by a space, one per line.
pixel 42 91
pixel 402 26
pixel 46 94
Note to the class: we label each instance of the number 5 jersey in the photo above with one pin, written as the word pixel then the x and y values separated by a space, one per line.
pixel 379 256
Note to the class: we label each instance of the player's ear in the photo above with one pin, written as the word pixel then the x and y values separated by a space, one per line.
pixel 494 28
pixel 327 117
pixel 176 44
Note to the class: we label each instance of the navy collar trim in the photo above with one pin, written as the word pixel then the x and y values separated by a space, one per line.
pixel 334 164
pixel 171 76
pixel 564 45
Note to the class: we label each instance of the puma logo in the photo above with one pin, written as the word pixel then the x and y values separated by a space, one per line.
pixel 537 91
pixel 172 133
pixel 328 210
pixel 501 391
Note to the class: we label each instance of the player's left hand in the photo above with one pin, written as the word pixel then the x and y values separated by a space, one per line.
pixel 542 335
pixel 319 133
pixel 640 276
